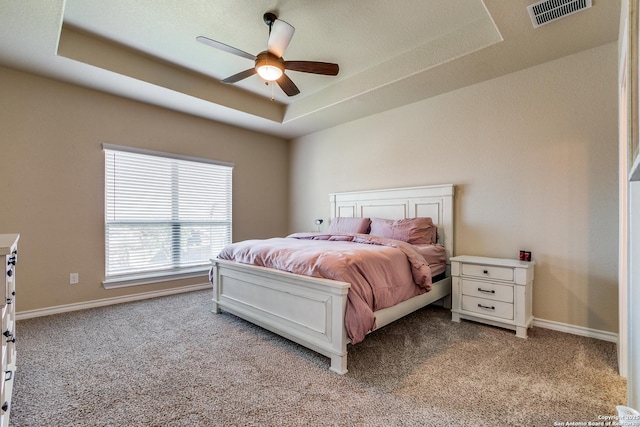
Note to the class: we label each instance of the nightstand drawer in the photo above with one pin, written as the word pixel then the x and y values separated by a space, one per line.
pixel 487 271
pixel 499 309
pixel 487 290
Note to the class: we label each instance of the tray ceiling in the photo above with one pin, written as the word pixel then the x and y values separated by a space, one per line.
pixel 390 53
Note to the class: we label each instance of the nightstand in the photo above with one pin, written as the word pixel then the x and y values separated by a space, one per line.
pixel 494 291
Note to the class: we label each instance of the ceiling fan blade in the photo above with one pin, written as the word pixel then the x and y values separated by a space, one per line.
pixel 279 37
pixel 240 76
pixel 287 85
pixel 225 47
pixel 325 68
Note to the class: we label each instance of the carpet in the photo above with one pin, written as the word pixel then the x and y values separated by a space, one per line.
pixel 169 361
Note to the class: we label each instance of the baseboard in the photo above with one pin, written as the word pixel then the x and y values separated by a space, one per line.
pixel 540 323
pixel 107 301
pixel 576 330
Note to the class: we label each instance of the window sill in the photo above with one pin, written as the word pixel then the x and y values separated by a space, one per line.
pixel 157 277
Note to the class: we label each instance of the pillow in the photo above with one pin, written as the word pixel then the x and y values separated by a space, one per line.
pixel 417 231
pixel 343 224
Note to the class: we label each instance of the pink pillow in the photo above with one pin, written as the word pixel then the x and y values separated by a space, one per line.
pixel 343 224
pixel 417 231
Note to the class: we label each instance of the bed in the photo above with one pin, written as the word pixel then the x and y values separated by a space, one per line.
pixel 310 310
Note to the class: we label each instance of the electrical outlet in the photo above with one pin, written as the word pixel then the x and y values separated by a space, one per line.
pixel 73 278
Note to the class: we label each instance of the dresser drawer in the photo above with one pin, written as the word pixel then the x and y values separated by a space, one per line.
pixel 6 322
pixel 488 271
pixel 5 366
pixel 487 290
pixel 8 342
pixel 10 273
pixel 489 307
pixel 8 284
pixel 10 287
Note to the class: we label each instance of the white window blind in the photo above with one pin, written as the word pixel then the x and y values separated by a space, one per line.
pixel 164 214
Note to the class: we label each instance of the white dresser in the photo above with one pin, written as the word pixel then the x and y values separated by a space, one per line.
pixel 9 256
pixel 494 291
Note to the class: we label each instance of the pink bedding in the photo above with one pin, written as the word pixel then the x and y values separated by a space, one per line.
pixel 436 257
pixel 382 272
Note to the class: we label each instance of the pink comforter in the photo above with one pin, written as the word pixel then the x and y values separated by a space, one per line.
pixel 382 272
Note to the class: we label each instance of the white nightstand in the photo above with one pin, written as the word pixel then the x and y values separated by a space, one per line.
pixel 494 291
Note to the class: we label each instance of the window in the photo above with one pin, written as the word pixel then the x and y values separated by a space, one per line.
pixel 165 215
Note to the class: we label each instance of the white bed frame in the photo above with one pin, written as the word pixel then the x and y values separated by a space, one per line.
pixel 310 311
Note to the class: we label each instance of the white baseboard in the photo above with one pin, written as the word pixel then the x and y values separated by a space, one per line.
pixel 107 301
pixel 576 330
pixel 540 323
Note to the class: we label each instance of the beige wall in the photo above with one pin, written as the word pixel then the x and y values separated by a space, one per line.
pixel 52 170
pixel 534 157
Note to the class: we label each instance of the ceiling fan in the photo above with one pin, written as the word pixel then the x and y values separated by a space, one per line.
pixel 269 64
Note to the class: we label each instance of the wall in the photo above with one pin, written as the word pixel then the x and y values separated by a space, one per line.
pixel 52 170
pixel 534 158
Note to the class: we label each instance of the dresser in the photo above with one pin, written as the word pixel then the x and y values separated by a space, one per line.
pixel 494 291
pixel 9 256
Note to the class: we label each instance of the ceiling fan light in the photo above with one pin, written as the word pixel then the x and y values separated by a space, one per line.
pixel 269 67
pixel 270 72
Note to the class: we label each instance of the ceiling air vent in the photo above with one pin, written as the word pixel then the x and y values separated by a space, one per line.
pixel 546 11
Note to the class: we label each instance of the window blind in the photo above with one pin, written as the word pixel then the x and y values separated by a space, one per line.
pixel 164 213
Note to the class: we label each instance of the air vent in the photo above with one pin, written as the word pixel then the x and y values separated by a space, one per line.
pixel 546 11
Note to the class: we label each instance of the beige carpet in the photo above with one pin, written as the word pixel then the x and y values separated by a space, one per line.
pixel 171 362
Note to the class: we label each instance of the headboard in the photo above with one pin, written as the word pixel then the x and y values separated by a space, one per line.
pixel 434 201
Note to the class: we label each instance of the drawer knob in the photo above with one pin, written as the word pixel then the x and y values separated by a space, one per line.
pixel 12 261
pixel 5 406
pixel 9 273
pixel 487 291
pixel 486 306
pixel 485 271
pixel 10 336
